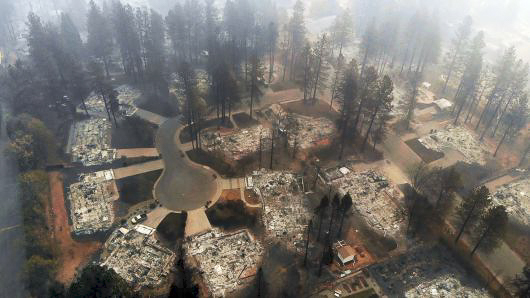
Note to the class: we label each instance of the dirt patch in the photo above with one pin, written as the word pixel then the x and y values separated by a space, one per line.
pixel 230 195
pixel 243 120
pixel 317 109
pixel 426 154
pixel 251 197
pixel 73 253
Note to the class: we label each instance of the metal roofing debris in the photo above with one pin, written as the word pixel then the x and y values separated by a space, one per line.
pixel 223 258
pixel 304 131
pixel 138 258
pixel 236 145
pixel 426 272
pixel 515 197
pixel 372 197
pixel 92 142
pixel 91 202
pixel 456 138
pixel 127 97
pixel 286 211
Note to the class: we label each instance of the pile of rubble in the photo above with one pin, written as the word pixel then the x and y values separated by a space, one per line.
pixel 127 96
pixel 311 132
pixel 224 260
pixel 456 138
pixel 91 202
pixel 237 145
pixel 516 198
pixel 425 272
pixel 286 212
pixel 138 257
pixel 303 132
pixel 91 144
pixel 372 197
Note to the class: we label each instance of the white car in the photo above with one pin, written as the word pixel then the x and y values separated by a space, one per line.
pixel 139 218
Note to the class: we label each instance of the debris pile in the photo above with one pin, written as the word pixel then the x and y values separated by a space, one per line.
pixel 425 272
pixel 310 132
pixel 516 198
pixel 224 260
pixel 456 138
pixel 127 96
pixel 372 197
pixel 237 145
pixel 285 210
pixel 91 202
pixel 138 257
pixel 303 132
pixel 92 142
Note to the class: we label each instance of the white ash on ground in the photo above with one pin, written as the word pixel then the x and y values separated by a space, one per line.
pixel 426 272
pixel 91 202
pixel 225 260
pixel 91 143
pixel 127 99
pixel 373 197
pixel 311 132
pixel 238 144
pixel 303 132
pixel 286 211
pixel 138 257
pixel 515 197
pixel 459 139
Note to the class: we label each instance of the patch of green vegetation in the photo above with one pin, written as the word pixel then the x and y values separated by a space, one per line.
pixel 41 252
pixel 32 145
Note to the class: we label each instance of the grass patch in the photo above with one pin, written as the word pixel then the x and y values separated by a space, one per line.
pixel 185 137
pixel 138 188
pixel 426 154
pixel 243 120
pixel 217 164
pixel 172 226
pixel 233 215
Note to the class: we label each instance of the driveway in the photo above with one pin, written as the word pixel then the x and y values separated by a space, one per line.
pixel 183 184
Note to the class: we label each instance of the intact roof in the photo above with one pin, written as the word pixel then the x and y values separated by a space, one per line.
pixel 346 252
pixel 443 103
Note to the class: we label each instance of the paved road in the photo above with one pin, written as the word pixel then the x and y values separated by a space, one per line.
pixel 183 184
pixel 12 254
